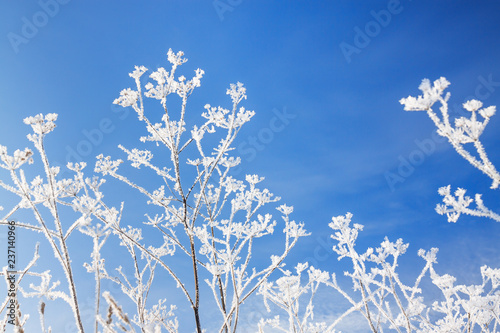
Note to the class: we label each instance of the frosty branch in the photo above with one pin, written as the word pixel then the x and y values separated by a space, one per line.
pixel 465 131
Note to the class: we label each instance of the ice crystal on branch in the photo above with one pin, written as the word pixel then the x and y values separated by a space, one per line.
pixel 128 97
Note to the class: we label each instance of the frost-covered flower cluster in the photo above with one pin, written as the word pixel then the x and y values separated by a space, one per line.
pixel 15 161
pixel 431 94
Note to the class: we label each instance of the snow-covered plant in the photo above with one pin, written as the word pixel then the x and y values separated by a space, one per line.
pixel 215 221
pixel 380 295
pixel 464 131
pixel 212 218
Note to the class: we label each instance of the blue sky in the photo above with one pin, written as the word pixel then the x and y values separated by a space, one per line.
pixel 345 129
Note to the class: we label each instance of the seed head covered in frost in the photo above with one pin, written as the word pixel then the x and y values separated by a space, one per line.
pixel 16 160
pixel 186 87
pixel 285 210
pixel 488 112
pixel 431 94
pixel 128 97
pixel 105 165
pixel 41 124
pixel 472 105
pixel 253 179
pixel 165 85
pixel 137 73
pixel 429 256
pixel 237 92
pixel 176 59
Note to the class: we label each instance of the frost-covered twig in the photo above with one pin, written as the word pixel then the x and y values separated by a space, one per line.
pixel 464 131
pixel 457 204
